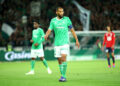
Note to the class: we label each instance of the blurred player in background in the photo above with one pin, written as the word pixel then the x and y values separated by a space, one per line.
pixel 109 41
pixel 61 25
pixel 37 47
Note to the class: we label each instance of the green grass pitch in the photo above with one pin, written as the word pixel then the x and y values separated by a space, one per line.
pixel 79 73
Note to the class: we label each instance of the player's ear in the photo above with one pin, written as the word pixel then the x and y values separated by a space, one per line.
pixel 56 12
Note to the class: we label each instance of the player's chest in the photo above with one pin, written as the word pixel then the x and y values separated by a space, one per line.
pixel 36 34
pixel 109 37
pixel 61 24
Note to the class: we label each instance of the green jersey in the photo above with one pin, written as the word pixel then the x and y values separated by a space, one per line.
pixel 60 27
pixel 37 37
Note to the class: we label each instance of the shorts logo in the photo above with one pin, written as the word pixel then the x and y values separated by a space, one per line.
pixel 106 50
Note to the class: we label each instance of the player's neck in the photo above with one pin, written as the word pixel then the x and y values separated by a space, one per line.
pixel 109 31
pixel 58 18
pixel 36 28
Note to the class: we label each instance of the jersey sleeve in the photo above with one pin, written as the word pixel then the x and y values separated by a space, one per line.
pixel 104 40
pixel 43 34
pixel 40 40
pixel 51 25
pixel 113 37
pixel 32 36
pixel 69 23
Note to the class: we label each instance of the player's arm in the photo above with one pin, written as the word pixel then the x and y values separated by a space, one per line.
pixel 75 36
pixel 69 23
pixel 104 41
pixel 49 30
pixel 43 34
pixel 47 34
pixel 41 39
pixel 113 37
pixel 31 41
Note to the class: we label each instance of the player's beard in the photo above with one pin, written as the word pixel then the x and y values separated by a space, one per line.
pixel 35 27
pixel 60 16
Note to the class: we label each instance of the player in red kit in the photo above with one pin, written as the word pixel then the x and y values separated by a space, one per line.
pixel 109 41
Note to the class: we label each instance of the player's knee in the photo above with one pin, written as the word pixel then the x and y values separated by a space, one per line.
pixel 112 55
pixel 63 58
pixel 42 58
pixel 59 61
pixel 33 58
pixel 108 55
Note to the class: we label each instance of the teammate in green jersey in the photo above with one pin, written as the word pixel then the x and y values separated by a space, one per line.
pixel 61 25
pixel 37 47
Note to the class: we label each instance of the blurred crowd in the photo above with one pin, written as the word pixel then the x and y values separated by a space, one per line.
pixel 103 12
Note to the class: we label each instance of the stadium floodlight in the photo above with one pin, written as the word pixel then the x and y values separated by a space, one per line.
pixel 24 19
pixel 24 22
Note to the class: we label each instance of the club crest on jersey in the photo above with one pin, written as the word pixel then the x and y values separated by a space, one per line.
pixel 109 38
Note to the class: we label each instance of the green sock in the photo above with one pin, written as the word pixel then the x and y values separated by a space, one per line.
pixel 45 63
pixel 64 64
pixel 61 69
pixel 32 65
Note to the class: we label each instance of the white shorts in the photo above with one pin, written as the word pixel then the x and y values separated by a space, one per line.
pixel 37 53
pixel 64 49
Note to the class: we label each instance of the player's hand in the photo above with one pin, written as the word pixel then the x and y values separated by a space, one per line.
pixel 102 48
pixel 112 47
pixel 45 37
pixel 36 44
pixel 77 44
pixel 31 41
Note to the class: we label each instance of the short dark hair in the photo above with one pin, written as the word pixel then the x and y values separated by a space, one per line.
pixel 37 21
pixel 58 8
